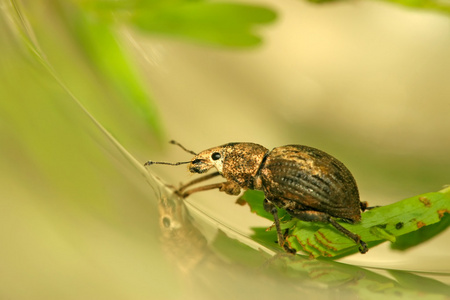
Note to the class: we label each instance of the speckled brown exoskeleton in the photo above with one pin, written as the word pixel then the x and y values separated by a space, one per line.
pixel 308 183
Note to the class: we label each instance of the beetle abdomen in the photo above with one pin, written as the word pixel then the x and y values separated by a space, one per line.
pixel 303 178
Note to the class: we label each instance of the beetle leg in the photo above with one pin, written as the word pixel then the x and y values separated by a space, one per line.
pixel 362 245
pixel 200 189
pixel 365 206
pixel 228 187
pixel 271 208
pixel 316 216
pixel 198 180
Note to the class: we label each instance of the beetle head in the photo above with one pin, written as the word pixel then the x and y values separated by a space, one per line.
pixel 208 159
pixel 237 162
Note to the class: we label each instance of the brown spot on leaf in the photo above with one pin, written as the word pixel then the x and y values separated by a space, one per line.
pixel 323 236
pixel 311 245
pixel 442 212
pixel 310 254
pixel 425 201
pixel 420 224
pixel 325 242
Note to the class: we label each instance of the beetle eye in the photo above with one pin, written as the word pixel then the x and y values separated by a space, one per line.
pixel 215 156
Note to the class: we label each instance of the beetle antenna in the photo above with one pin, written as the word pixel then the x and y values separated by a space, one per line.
pixel 182 147
pixel 149 163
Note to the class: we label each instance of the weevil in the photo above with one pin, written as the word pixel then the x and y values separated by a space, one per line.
pixel 308 183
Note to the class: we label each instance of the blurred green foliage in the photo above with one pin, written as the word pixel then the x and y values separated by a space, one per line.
pixel 96 27
pixel 223 24
pixel 104 50
pixel 425 5
pixel 338 277
pixel 215 23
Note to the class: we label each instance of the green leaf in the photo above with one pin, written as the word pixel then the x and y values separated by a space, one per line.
pixel 409 217
pixel 265 237
pixel 225 24
pixel 382 233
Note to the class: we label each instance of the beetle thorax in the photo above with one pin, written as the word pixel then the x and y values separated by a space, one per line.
pixel 242 162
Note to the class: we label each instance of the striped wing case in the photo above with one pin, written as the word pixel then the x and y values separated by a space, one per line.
pixel 303 178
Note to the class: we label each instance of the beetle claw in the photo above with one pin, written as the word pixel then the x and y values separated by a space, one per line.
pixel 363 247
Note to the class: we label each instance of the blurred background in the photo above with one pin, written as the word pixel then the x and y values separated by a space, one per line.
pixel 90 90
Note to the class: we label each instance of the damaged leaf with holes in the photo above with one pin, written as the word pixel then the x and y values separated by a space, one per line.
pixel 405 224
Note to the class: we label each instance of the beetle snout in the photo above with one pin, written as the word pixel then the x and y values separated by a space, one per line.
pixel 198 166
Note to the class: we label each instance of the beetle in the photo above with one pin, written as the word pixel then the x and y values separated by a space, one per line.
pixel 308 183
